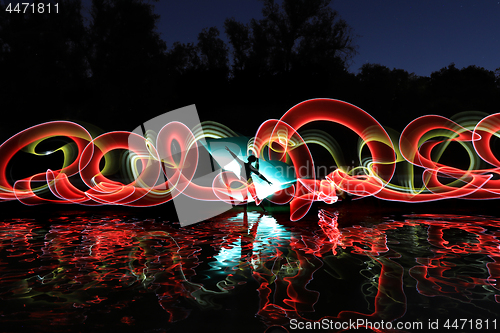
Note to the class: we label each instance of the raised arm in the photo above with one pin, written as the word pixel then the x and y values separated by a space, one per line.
pixel 261 176
pixel 234 156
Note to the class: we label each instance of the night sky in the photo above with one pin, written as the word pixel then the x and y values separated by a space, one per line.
pixel 420 36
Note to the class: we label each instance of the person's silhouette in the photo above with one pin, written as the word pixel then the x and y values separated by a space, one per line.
pixel 246 174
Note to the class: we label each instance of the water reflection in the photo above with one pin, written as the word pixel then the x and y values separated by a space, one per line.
pixel 97 272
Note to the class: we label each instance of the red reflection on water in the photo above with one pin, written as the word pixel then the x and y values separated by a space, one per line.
pixel 390 301
pixel 60 274
pixel 431 273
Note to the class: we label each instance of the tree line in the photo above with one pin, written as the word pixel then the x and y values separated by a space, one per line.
pixel 115 71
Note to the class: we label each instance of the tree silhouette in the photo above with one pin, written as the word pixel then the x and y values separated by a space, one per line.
pixel 452 90
pixel 299 48
pixel 53 67
pixel 198 73
pixel 213 51
pixel 214 65
pixel 381 86
pixel 126 58
pixel 239 38
pixel 42 64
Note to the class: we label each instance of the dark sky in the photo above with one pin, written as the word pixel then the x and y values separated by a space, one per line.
pixel 420 36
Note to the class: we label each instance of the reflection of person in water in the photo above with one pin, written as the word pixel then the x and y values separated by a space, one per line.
pixel 246 173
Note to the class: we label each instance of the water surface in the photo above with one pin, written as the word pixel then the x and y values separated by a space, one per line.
pixel 245 272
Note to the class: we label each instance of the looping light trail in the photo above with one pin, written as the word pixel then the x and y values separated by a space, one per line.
pixel 156 172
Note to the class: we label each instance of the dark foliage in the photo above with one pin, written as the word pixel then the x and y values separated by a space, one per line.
pixel 116 71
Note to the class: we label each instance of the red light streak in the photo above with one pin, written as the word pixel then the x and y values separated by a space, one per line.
pixel 162 173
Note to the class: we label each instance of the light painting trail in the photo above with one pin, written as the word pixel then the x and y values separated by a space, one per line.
pixel 155 172
pixel 374 273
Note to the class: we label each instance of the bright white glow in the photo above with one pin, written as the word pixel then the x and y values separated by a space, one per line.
pixel 227 257
pixel 233 166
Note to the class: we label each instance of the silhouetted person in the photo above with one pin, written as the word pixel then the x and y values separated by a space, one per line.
pixel 246 174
